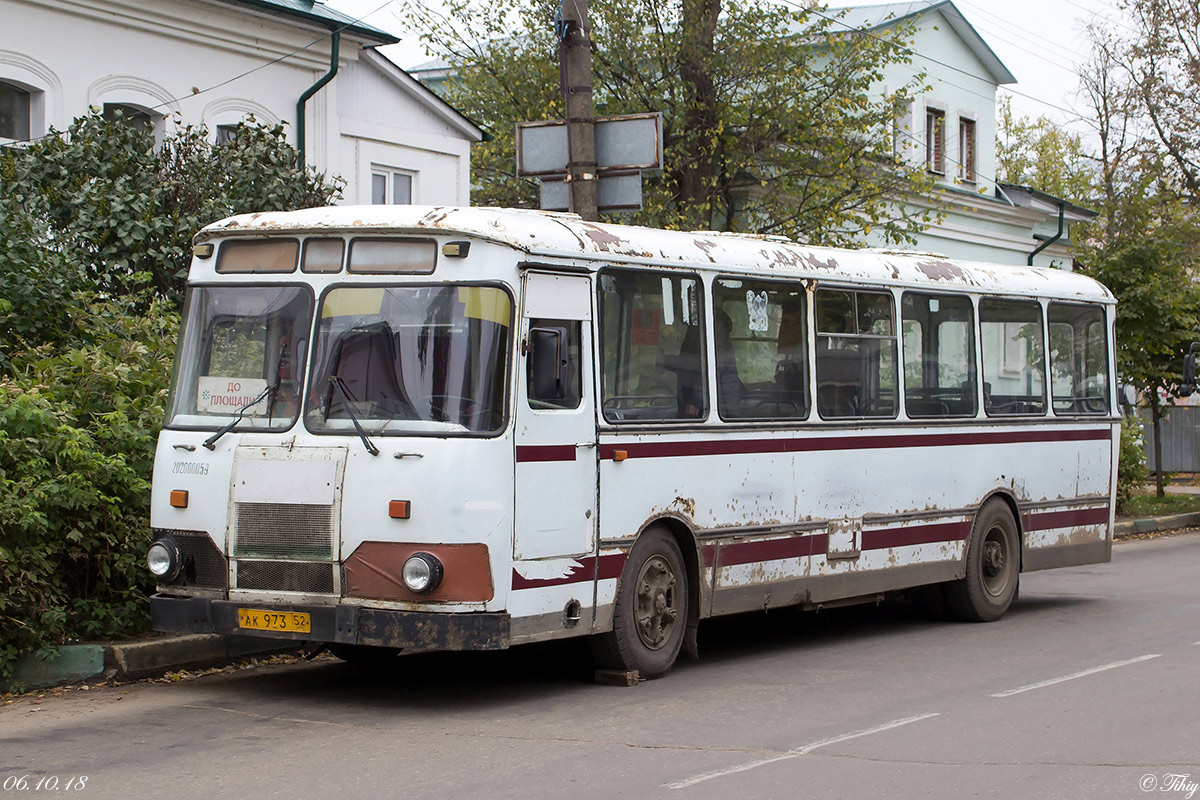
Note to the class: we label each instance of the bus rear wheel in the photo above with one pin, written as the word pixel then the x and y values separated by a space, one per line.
pixel 651 609
pixel 993 567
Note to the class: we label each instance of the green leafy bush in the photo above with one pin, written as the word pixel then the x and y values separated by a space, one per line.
pixel 1132 471
pixel 95 239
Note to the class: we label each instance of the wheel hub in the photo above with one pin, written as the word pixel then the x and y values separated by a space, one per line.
pixel 656 607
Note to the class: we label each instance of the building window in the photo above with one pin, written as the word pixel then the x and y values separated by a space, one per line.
pixel 226 133
pixel 966 149
pixel 14 112
pixel 935 140
pixel 136 116
pixel 390 188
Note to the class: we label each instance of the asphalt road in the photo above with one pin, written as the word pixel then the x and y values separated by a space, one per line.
pixel 1087 689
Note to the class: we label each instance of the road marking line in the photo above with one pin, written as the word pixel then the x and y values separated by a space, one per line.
pixel 799 751
pixel 1041 684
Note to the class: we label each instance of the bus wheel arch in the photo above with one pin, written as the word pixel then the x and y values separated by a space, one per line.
pixel 652 608
pixel 992 564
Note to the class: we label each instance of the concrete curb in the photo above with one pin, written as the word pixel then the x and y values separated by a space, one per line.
pixel 126 661
pixel 1155 524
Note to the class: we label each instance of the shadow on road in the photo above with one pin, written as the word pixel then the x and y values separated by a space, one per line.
pixel 544 671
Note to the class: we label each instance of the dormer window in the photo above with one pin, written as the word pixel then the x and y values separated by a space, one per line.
pixel 14 112
pixel 966 149
pixel 935 140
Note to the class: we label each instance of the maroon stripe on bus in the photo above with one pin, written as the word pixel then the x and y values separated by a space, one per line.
pixel 545 452
pixel 884 538
pixel 731 555
pixel 609 567
pixel 1065 519
pixel 714 447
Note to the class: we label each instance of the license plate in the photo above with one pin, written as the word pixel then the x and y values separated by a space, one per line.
pixel 260 620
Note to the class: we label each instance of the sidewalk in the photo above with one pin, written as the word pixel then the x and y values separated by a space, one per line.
pixel 156 655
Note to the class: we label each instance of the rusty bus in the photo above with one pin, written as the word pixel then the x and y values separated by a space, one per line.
pixel 463 428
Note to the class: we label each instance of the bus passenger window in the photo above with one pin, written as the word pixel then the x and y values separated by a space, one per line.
pixel 938 332
pixel 652 347
pixel 572 380
pixel 856 354
pixel 761 351
pixel 1078 359
pixel 1010 335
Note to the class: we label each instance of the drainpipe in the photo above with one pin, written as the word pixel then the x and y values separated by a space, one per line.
pixel 335 42
pixel 1053 238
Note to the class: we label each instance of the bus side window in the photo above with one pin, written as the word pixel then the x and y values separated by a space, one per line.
pixel 569 391
pixel 856 354
pixel 1010 333
pixel 939 355
pixel 1078 359
pixel 761 349
pixel 652 347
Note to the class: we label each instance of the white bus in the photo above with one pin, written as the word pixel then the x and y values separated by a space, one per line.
pixel 466 428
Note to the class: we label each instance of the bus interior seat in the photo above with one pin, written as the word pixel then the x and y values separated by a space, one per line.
pixel 365 359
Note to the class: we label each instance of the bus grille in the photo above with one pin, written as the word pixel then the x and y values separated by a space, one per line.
pixel 283 530
pixel 286 576
pixel 204 566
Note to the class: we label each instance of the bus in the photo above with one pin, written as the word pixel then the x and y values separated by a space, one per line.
pixel 420 428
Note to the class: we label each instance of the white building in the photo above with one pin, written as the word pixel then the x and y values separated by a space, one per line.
pixel 217 62
pixel 952 130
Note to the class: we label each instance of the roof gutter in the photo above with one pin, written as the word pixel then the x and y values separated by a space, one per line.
pixel 334 47
pixel 1062 208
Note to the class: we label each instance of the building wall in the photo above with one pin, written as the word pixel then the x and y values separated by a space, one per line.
pixel 200 62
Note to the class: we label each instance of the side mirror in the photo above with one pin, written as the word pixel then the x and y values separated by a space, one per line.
pixel 1189 371
pixel 547 363
pixel 1127 397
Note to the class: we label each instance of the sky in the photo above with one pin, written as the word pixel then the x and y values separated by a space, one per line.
pixel 1040 41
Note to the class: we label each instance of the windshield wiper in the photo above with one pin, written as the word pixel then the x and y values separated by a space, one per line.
pixel 211 442
pixel 336 380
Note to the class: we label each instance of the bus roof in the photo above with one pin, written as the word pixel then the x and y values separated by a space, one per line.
pixel 566 236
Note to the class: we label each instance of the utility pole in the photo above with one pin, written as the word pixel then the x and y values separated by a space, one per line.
pixel 575 64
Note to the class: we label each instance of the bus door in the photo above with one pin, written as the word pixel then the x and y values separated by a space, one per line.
pixel 556 421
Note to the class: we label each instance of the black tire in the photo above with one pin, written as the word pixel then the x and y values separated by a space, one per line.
pixel 651 609
pixel 993 567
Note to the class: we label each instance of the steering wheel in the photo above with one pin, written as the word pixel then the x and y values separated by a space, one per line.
pixel 467 406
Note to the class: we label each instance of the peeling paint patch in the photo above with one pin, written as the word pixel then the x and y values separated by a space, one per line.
pixel 941 270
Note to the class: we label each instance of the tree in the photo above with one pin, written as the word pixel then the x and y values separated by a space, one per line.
pixel 773 120
pixel 1041 154
pixel 95 232
pixel 1145 246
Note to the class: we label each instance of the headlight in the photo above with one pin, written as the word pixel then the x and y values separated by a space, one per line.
pixel 163 559
pixel 422 573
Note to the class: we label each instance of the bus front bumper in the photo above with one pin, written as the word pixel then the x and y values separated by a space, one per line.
pixel 345 624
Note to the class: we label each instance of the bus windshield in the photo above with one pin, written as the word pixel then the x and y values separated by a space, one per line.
pixel 410 359
pixel 243 351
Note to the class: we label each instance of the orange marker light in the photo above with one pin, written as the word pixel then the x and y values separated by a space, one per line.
pixel 620 455
pixel 179 498
pixel 399 509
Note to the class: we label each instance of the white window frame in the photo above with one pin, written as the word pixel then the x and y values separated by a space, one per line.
pixel 390 174
pixel 935 151
pixel 968 169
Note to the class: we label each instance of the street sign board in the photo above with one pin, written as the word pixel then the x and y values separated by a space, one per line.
pixel 613 193
pixel 628 142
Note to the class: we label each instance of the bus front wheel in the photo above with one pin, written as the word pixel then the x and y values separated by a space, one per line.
pixel 651 609
pixel 993 567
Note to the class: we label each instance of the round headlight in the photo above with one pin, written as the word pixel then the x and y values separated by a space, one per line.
pixel 422 573
pixel 163 559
